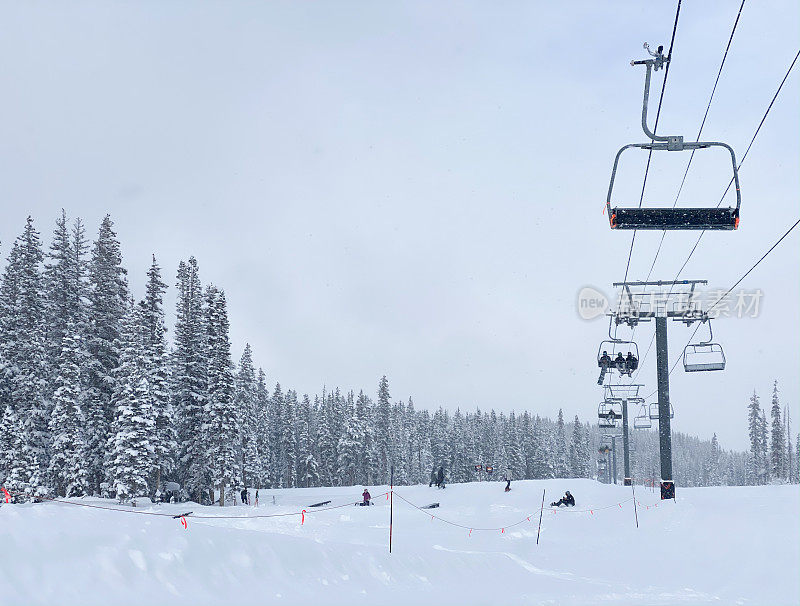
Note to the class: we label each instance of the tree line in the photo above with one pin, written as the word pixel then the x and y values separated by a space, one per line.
pixel 93 397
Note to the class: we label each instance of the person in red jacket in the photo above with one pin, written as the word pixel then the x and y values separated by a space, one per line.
pixel 366 497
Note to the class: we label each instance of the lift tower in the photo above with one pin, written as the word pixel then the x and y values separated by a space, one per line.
pixel 652 302
pixel 623 395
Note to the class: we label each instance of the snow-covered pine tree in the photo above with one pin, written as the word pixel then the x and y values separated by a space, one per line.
pixel 156 367
pixel 67 472
pixel 289 439
pixel 763 433
pixel 263 432
pixel 777 449
pixel 424 454
pixel 711 471
pixel 246 409
pixel 304 447
pixel 382 429
pixel 108 299
pixel 562 458
pixel 349 448
pixel 276 423
pixel 222 427
pixel 516 460
pixel 189 381
pixel 790 463
pixel 60 292
pixel 130 448
pixel 576 462
pixel 362 414
pixel 756 459
pixel 22 342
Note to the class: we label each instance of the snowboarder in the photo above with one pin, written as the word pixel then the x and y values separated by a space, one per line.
pixel 619 362
pixel 256 497
pixel 567 500
pixel 244 496
pixel 508 484
pixel 605 364
pixel 366 496
pixel 433 478
pixel 440 478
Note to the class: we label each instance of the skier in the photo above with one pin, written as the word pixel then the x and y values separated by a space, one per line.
pixel 256 497
pixel 440 478
pixel 508 484
pixel 366 496
pixel 619 362
pixel 567 500
pixel 244 496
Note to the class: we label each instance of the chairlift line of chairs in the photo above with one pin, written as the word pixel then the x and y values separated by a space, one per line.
pixel 670 218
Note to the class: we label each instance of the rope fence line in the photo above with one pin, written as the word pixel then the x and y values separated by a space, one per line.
pixel 527 518
pixel 191 515
pixel 302 512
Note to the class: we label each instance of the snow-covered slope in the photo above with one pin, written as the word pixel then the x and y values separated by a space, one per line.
pixel 714 545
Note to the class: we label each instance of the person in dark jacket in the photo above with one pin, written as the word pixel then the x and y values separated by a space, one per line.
pixel 508 484
pixel 244 496
pixel 433 478
pixel 366 496
pixel 631 363
pixel 440 478
pixel 567 500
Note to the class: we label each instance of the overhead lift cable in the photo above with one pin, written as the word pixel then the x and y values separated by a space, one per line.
pixel 747 151
pixel 686 172
pixel 655 128
pixel 699 132
pixel 727 292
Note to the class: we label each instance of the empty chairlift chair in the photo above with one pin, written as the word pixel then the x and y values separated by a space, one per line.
pixel 666 218
pixel 705 355
pixel 642 420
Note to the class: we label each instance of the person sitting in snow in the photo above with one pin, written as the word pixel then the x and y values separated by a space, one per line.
pixel 567 500
pixel 366 496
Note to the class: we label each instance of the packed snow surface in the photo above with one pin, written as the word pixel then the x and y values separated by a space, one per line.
pixel 712 545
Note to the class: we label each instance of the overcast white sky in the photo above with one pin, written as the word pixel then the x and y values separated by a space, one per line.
pixel 410 188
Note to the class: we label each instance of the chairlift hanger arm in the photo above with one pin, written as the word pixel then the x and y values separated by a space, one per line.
pixel 665 218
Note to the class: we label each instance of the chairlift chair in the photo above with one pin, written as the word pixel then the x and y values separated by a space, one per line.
pixel 705 355
pixel 654 411
pixel 612 347
pixel 642 420
pixel 607 415
pixel 665 218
